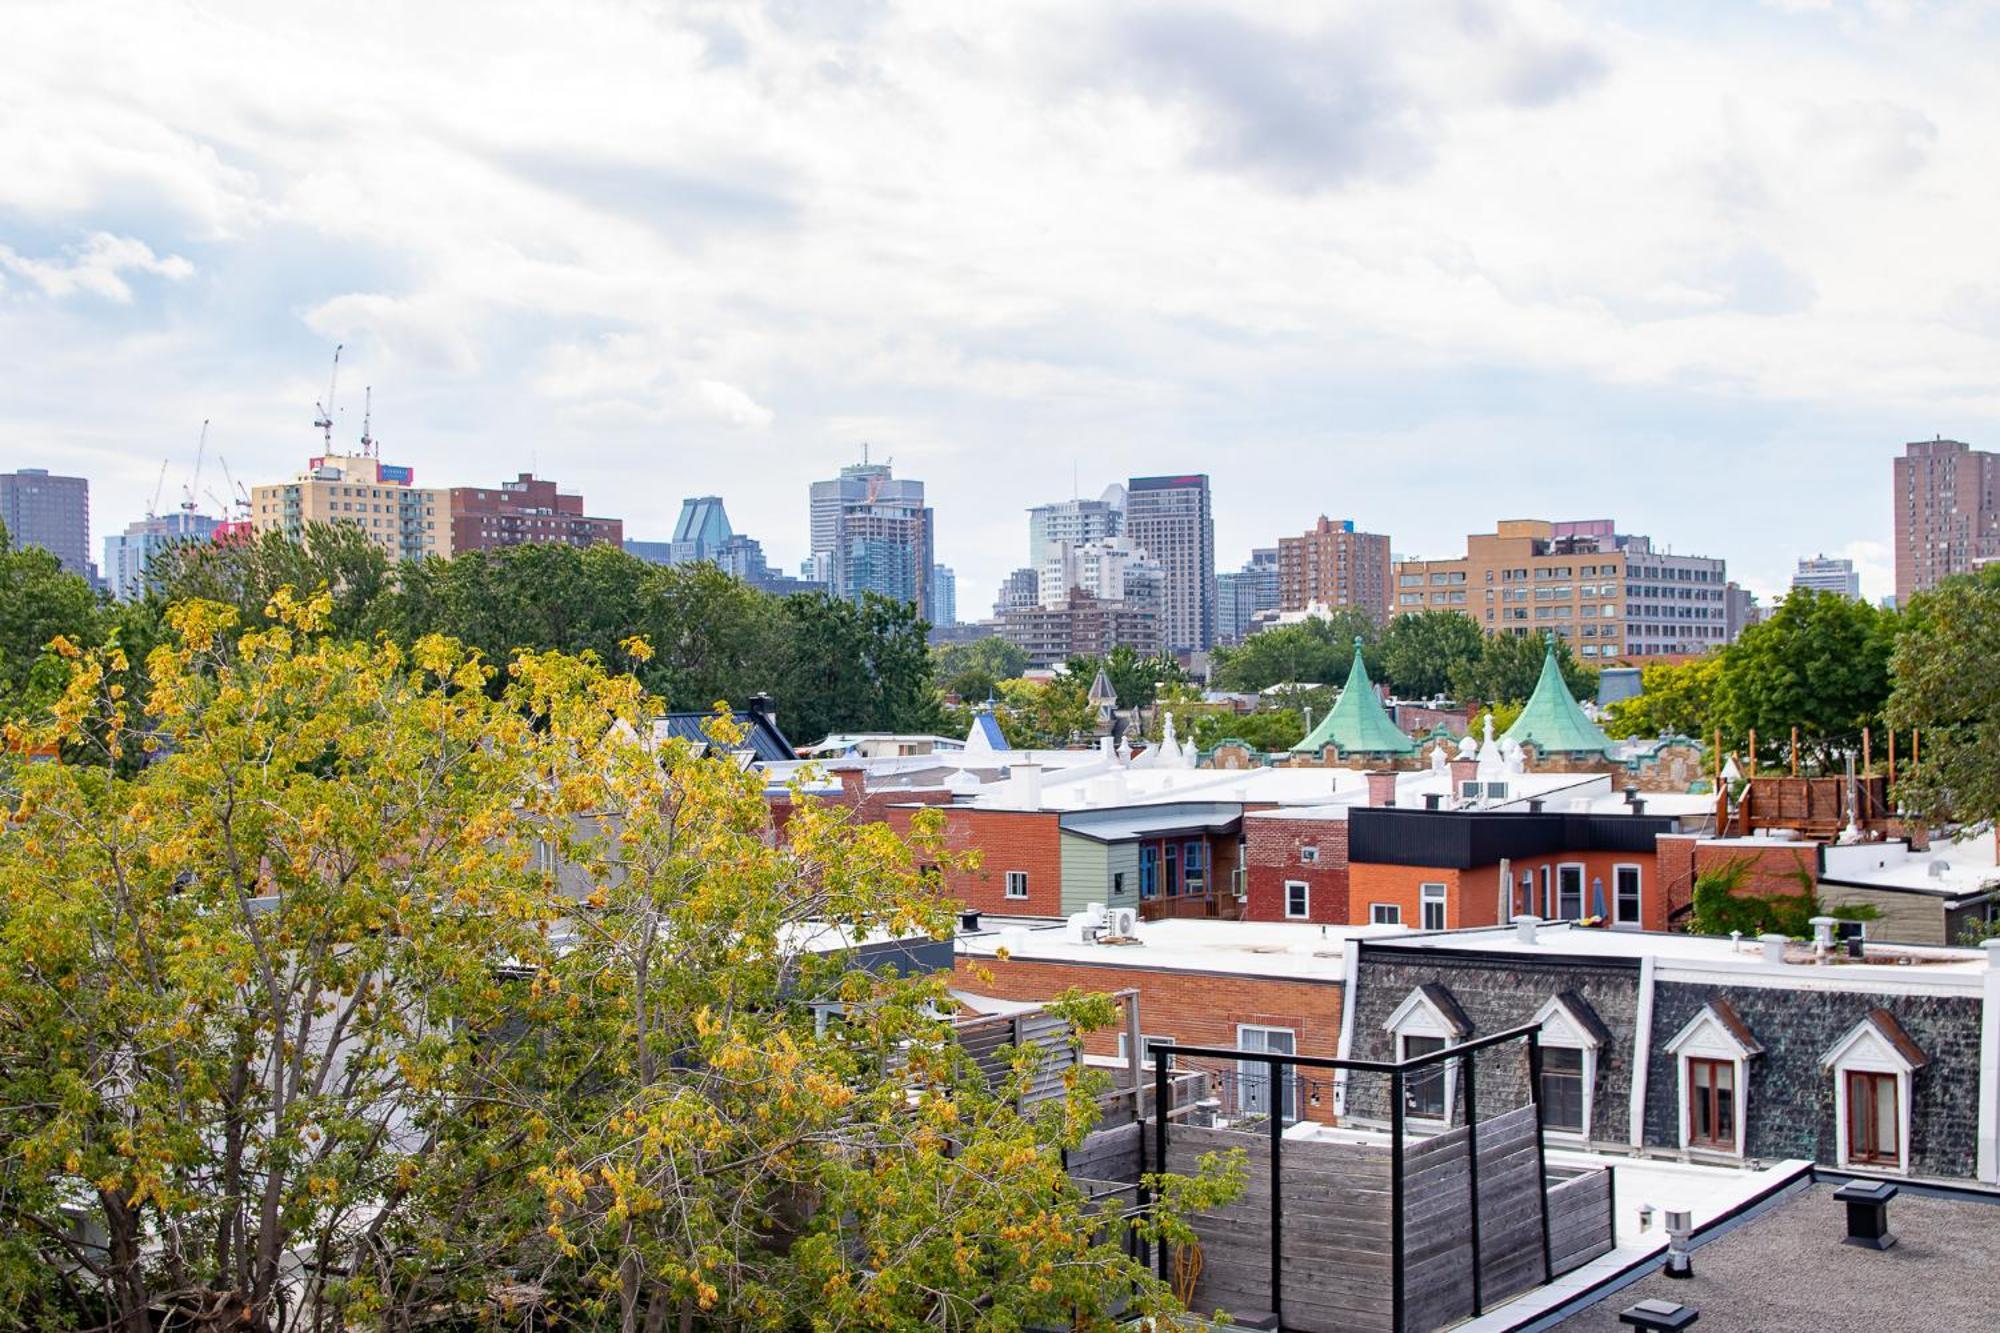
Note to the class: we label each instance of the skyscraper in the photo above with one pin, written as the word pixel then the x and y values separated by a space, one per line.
pixel 701 531
pixel 1241 593
pixel 1824 574
pixel 876 533
pixel 1333 565
pixel 50 512
pixel 127 555
pixel 944 596
pixel 1947 503
pixel 1172 520
pixel 1072 523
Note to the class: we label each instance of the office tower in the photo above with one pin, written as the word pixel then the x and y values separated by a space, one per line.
pixel 51 512
pixel 701 531
pixel 381 499
pixel 944 596
pixel 1333 565
pixel 1740 610
pixel 876 533
pixel 1081 625
pixel 1609 593
pixel 128 555
pixel 1825 574
pixel 527 509
pixel 1241 594
pixel 1171 519
pixel 1947 503
pixel 1072 523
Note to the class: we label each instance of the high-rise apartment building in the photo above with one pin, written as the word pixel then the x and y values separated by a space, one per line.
pixel 1241 594
pixel 381 499
pixel 527 509
pixel 51 512
pixel 1022 588
pixel 128 555
pixel 1072 523
pixel 1112 569
pixel 1947 505
pixel 1826 574
pixel 1609 593
pixel 876 533
pixel 944 596
pixel 1081 625
pixel 1333 565
pixel 1172 520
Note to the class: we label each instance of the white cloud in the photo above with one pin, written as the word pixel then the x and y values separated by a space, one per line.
pixel 97 268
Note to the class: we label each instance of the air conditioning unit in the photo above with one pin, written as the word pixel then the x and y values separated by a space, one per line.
pixel 1124 922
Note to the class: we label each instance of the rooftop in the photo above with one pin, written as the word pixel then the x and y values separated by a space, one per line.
pixel 1553 722
pixel 1786 1269
pixel 1357 723
pixel 1950 869
pixel 1293 950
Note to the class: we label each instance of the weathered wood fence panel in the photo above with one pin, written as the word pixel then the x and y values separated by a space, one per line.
pixel 1580 1220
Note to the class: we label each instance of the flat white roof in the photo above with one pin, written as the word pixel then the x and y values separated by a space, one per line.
pixel 1294 949
pixel 1950 869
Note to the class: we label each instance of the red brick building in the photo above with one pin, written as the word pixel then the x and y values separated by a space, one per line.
pixel 1297 866
pixel 527 509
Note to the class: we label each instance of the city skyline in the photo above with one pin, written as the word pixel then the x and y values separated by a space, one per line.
pixel 1323 287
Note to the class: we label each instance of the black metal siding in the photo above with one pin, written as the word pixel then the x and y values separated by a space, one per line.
pixel 1460 840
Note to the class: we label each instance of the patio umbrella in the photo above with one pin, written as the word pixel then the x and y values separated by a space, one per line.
pixel 1597 897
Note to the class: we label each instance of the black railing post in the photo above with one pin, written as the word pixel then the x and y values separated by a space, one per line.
pixel 1275 1104
pixel 1541 1151
pixel 1396 1199
pixel 1162 1091
pixel 1611 1202
pixel 1470 1060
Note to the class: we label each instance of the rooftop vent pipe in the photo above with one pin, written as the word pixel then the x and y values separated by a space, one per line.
pixel 1774 948
pixel 1525 927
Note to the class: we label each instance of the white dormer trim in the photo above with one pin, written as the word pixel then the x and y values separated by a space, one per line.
pixel 1707 1037
pixel 1866 1050
pixel 1560 1028
pixel 1417 1016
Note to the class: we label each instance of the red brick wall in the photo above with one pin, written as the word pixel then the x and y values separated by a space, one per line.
pixel 1193 1008
pixel 1772 870
pixel 1272 850
pixel 1676 856
pixel 1368 884
pixel 1472 897
pixel 1029 840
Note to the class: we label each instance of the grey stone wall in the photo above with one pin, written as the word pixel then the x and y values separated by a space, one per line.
pixel 1791 1098
pixel 1498 992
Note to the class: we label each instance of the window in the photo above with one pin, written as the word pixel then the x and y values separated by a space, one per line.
pixel 1017 884
pixel 1385 914
pixel 1253 1077
pixel 1145 1048
pixel 1712 1104
pixel 1308 856
pixel 1626 881
pixel 1149 870
pixel 1562 1089
pixel 1569 892
pixel 1298 899
pixel 1548 894
pixel 1194 867
pixel 1433 906
pixel 1424 1090
pixel 545 856
pixel 1118 884
pixel 1873 1122
pixel 1172 856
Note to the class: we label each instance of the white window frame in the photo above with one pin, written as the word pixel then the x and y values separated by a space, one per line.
pixel 1385 914
pixel 1014 877
pixel 1705 1037
pixel 1309 856
pixel 1146 1040
pixel 1416 1016
pixel 1638 922
pixel 1865 1050
pixel 1305 900
pixel 1425 899
pixel 1561 1028
pixel 1289 1076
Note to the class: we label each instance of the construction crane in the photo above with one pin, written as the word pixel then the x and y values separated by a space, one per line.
pixel 188 491
pixel 367 415
pixel 239 498
pixel 325 418
pixel 153 506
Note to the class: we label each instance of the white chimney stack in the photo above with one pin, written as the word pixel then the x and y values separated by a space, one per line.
pixel 1525 926
pixel 1030 778
pixel 1774 948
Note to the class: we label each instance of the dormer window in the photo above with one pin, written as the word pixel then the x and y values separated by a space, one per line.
pixel 1713 1053
pixel 1873 1067
pixel 1572 1037
pixel 1429 1020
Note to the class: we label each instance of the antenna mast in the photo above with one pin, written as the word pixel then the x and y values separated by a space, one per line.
pixel 367 415
pixel 325 418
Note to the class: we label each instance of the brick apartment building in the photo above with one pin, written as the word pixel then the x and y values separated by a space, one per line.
pixel 527 509
pixel 1947 506
pixel 1333 565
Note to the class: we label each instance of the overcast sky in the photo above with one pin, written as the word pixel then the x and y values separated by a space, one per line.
pixel 1699 267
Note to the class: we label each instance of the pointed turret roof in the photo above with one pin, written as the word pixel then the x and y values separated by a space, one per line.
pixel 1553 722
pixel 1357 724
pixel 1101 693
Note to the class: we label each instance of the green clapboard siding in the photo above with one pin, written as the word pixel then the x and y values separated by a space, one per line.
pixel 1087 868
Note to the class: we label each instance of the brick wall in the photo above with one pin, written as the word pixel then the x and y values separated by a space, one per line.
pixel 1274 852
pixel 1028 840
pixel 1772 870
pixel 1193 1008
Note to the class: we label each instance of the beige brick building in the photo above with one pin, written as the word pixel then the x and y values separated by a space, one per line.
pixel 405 520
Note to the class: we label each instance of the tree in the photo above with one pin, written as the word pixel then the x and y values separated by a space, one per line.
pixel 853 666
pixel 1509 665
pixel 246 572
pixel 1423 651
pixel 1946 689
pixel 1677 699
pixel 1134 679
pixel 973 671
pixel 1318 650
pixel 39 601
pixel 1273 729
pixel 1037 716
pixel 1819 663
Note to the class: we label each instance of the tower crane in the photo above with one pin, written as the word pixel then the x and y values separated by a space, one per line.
pixel 367 415
pixel 188 491
pixel 239 497
pixel 325 418
pixel 153 506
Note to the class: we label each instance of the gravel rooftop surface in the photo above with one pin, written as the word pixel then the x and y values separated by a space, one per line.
pixel 1787 1270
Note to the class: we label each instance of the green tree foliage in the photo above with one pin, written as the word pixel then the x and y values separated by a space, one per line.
pixel 1134 679
pixel 1947 688
pixel 1721 906
pixel 1678 699
pixel 1508 666
pixel 848 666
pixel 246 573
pixel 973 671
pixel 1317 651
pixel 40 601
pixel 294 1019
pixel 1820 663
pixel 1038 716
pixel 1271 729
pixel 1424 651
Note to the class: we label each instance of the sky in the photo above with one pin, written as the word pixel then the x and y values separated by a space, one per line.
pixel 1701 268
